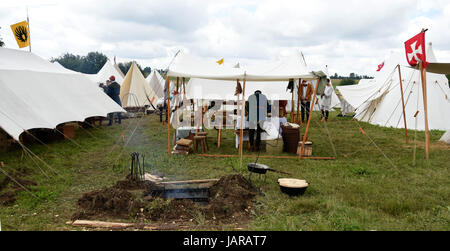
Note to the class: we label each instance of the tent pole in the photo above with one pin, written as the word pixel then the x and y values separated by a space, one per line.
pixel 423 74
pixel 403 102
pixel 184 88
pixel 241 133
pixel 168 115
pixel 176 108
pixel 305 136
pixel 297 119
pixel 292 106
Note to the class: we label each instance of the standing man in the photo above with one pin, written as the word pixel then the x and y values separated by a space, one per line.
pixel 325 99
pixel 113 91
pixel 257 108
pixel 305 91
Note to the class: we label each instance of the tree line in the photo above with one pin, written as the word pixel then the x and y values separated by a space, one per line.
pixel 93 62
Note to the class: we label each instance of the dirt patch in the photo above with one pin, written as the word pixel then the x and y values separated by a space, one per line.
pixel 9 189
pixel 108 202
pixel 231 196
pixel 129 184
pixel 231 199
pixel 7 198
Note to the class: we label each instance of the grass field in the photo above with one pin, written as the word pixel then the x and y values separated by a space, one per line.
pixel 360 190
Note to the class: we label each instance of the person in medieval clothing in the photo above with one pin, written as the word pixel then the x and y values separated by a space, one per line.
pixel 325 101
pixel 113 91
pixel 257 108
pixel 305 91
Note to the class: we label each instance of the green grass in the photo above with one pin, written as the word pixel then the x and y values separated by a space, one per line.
pixel 360 190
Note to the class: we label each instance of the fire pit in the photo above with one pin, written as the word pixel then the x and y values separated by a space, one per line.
pixel 195 194
pixel 195 190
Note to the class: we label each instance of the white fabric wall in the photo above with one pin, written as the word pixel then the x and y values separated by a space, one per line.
pixel 35 93
pixel 105 72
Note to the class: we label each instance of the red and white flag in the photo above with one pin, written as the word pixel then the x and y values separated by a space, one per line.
pixel 415 50
pixel 380 66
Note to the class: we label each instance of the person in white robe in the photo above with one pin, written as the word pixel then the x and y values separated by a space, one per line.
pixel 325 101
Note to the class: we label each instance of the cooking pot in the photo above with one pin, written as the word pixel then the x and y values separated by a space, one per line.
pixel 293 187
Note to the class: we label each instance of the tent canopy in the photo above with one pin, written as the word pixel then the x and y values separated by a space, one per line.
pixel 224 90
pixel 379 103
pixel 135 91
pixel 109 69
pixel 156 82
pixel 293 67
pixel 35 93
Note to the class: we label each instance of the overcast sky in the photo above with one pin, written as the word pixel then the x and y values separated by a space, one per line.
pixel 348 36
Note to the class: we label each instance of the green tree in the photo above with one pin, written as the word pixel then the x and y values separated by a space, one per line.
pixel 124 67
pixel 90 64
pixel 69 61
pixel 93 62
pixel 147 70
pixel 347 82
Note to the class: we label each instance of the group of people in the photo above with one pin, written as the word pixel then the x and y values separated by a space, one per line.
pixel 305 93
pixel 112 89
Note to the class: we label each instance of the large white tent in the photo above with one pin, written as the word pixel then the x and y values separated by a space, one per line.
pixel 293 67
pixel 207 89
pixel 156 82
pixel 446 137
pixel 109 69
pixel 380 103
pixel 35 93
pixel 135 91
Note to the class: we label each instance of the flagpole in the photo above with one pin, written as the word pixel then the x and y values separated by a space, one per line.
pixel 29 31
pixel 423 75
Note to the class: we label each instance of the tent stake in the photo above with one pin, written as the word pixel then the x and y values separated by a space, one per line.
pixel 423 74
pixel 403 102
pixel 305 136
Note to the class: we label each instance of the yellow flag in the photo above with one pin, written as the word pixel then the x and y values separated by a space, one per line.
pixel 21 33
pixel 220 61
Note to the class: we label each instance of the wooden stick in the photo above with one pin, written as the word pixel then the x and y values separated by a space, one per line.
pixel 188 182
pixel 403 102
pixel 176 108
pixel 120 225
pixel 219 137
pixel 425 108
pixel 292 106
pixel 265 157
pixel 311 109
pixel 168 115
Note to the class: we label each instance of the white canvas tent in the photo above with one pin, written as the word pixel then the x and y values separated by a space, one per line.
pixel 380 102
pixel 135 91
pixel 156 82
pixel 446 137
pixel 109 69
pixel 292 67
pixel 207 89
pixel 35 93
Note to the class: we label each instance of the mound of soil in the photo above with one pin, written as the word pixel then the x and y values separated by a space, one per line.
pixel 110 202
pixel 230 196
pixel 130 184
pixel 230 200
